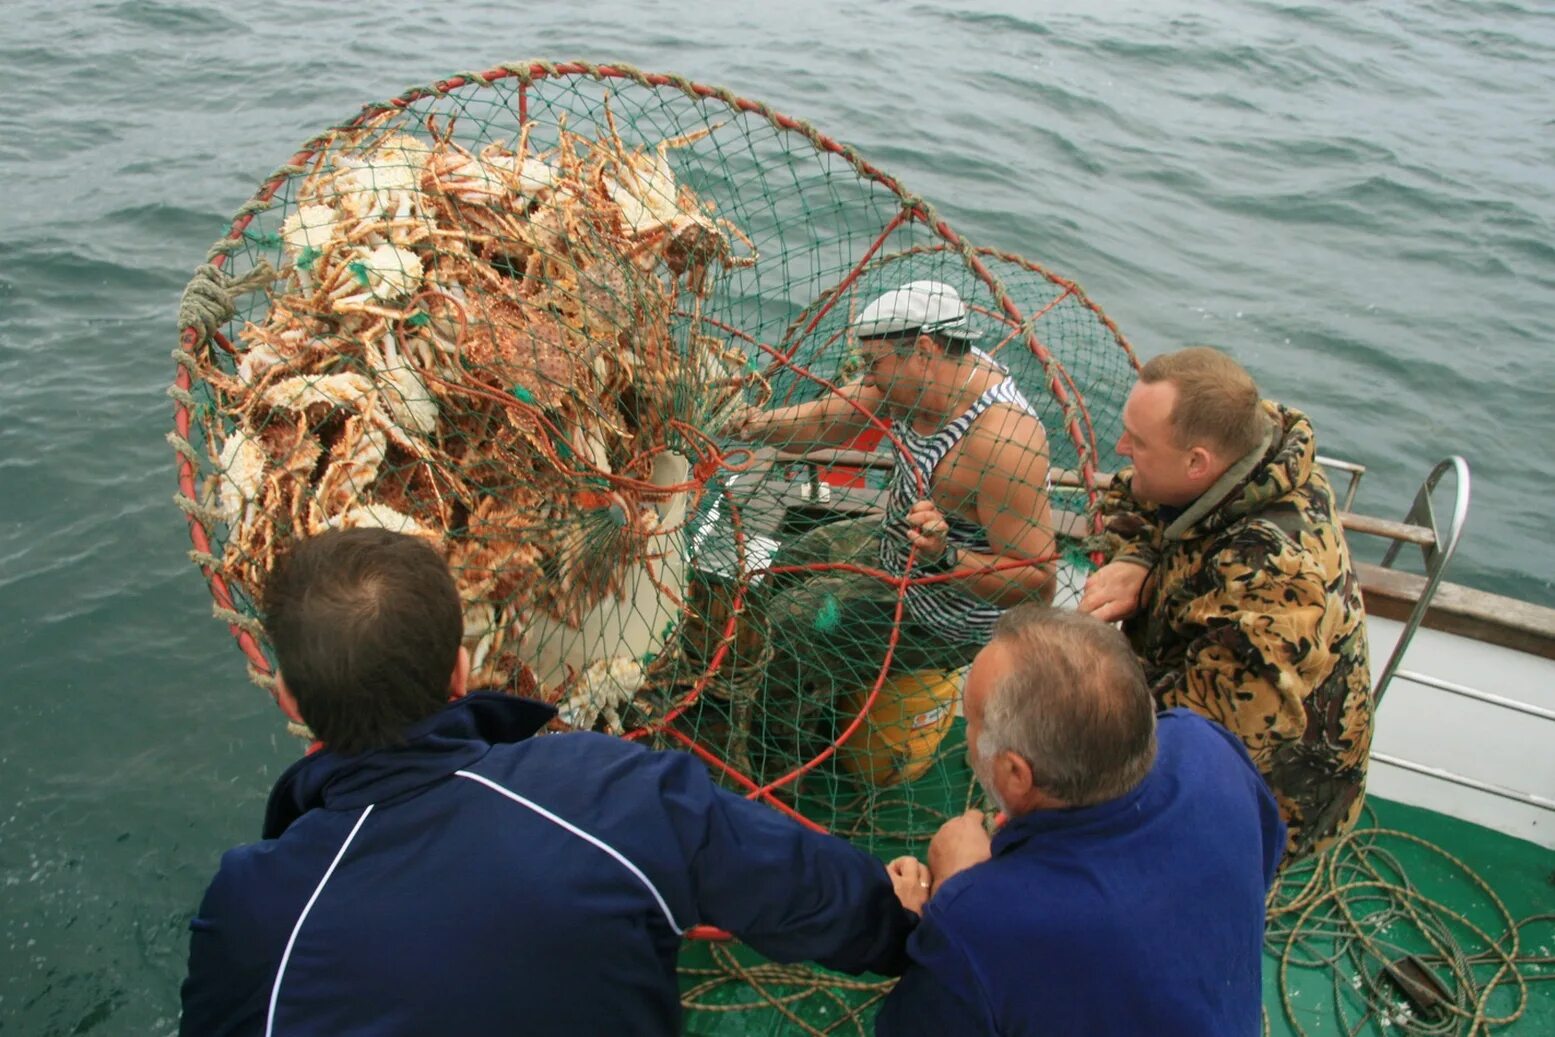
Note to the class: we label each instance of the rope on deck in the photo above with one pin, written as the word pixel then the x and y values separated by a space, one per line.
pixel 1349 912
pixel 1354 910
pixel 783 990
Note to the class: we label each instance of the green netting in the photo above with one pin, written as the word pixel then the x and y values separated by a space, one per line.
pixel 527 314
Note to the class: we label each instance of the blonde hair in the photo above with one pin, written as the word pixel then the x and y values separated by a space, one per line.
pixel 1217 400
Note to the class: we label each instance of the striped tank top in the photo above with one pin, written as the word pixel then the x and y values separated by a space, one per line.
pixel 944 608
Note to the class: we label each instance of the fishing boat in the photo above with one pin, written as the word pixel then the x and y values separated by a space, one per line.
pixel 1454 860
pixel 1429 918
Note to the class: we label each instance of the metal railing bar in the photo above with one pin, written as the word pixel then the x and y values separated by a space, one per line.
pixel 1474 693
pixel 1528 798
pixel 1355 470
pixel 1436 558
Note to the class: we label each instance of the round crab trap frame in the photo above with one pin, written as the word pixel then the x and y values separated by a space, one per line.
pixel 519 312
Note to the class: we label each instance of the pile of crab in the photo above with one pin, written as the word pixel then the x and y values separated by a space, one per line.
pixel 500 351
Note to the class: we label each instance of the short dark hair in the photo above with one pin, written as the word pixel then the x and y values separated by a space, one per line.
pixel 1075 705
pixel 905 340
pixel 951 346
pixel 366 626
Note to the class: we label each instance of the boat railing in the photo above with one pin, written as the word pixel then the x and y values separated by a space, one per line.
pixel 1437 538
pixel 1435 552
pixel 1389 590
pixel 1350 468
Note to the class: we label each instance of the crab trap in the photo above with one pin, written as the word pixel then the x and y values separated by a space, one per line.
pixel 518 313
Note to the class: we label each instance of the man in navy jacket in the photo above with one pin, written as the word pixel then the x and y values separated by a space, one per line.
pixel 1125 895
pixel 437 870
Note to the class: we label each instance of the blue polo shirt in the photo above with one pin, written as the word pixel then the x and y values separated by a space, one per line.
pixel 1143 914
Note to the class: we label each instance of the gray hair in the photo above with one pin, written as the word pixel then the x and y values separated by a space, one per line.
pixel 1074 705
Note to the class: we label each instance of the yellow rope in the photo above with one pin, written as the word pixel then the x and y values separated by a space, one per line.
pixel 1353 910
pixel 800 985
pixel 1341 912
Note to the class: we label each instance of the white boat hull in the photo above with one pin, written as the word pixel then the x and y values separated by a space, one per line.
pixel 1486 743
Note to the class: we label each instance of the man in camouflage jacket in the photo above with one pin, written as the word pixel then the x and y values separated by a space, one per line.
pixel 1235 584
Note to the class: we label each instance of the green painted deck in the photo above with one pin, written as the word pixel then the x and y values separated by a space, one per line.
pixel 1396 880
pixel 1477 901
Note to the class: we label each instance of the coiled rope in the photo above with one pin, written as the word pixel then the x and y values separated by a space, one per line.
pixel 1348 913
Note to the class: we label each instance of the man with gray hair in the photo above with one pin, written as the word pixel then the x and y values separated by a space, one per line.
pixel 1125 893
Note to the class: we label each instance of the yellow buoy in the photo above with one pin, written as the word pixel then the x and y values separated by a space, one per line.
pixel 904 728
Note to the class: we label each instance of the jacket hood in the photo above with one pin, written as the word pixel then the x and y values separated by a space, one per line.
pixel 1282 463
pixel 449 740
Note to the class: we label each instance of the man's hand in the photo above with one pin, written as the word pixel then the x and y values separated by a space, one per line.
pixel 960 843
pixel 745 424
pixel 1112 592
pixel 912 881
pixel 928 531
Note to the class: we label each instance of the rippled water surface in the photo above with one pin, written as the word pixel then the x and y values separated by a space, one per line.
pixel 1357 200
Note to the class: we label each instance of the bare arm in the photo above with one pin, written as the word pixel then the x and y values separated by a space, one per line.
pixel 827 422
pixel 1008 463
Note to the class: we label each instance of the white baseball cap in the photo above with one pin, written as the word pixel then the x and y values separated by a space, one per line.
pixel 929 306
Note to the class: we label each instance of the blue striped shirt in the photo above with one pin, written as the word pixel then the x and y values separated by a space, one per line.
pixel 943 607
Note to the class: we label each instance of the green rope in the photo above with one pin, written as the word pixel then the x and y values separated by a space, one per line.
pixel 829 616
pixel 210 299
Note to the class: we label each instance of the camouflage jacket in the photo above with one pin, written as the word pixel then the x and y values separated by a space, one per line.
pixel 1252 617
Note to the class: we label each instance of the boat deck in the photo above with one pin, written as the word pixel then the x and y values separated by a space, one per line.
pixel 1407 877
pixel 1410 882
pixel 1476 889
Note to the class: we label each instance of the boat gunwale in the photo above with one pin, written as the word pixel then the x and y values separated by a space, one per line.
pixel 1391 593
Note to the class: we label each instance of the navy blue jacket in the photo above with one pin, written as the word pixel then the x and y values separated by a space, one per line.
pixel 477 881
pixel 1142 915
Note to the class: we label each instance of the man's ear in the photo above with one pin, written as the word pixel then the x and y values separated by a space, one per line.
pixel 459 682
pixel 1200 463
pixel 287 701
pixel 1013 778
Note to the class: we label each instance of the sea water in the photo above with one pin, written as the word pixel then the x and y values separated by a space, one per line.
pixel 1356 200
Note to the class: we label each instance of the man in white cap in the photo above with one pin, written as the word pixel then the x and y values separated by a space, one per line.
pixel 967 502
